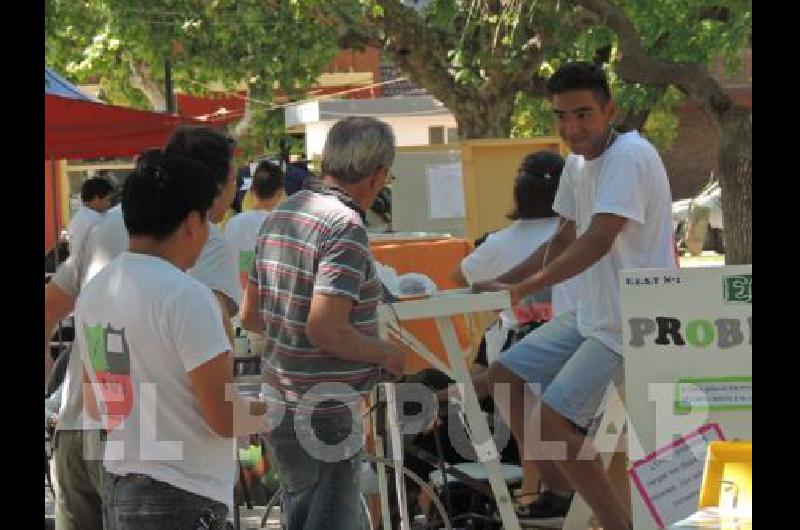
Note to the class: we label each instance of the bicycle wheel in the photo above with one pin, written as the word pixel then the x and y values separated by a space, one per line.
pixel 276 498
pixel 421 483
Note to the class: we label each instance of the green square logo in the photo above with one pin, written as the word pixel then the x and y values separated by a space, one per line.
pixel 246 259
pixel 96 344
pixel 738 289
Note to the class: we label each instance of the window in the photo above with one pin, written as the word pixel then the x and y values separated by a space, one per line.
pixel 436 135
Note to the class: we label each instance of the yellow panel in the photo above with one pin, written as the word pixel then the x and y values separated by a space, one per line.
pixel 728 461
pixel 248 202
pixel 489 169
pixel 344 78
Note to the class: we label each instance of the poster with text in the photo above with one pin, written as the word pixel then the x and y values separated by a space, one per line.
pixel 687 345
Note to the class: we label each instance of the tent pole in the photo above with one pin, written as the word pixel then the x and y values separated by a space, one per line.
pixel 168 86
pixel 53 179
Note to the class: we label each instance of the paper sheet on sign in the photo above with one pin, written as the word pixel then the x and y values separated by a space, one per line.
pixel 669 479
pixel 445 191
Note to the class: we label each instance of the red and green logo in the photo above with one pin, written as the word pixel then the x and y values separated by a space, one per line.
pixel 110 358
pixel 246 259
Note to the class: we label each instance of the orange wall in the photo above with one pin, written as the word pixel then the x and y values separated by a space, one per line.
pixel 50 232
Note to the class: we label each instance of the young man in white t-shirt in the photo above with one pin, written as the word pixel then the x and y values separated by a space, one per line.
pixel 96 196
pixel 77 445
pixel 534 224
pixel 615 204
pixel 153 342
pixel 242 229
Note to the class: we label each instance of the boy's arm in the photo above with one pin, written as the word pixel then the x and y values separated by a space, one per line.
pixel 57 306
pixel 226 412
pixel 222 300
pixel 89 398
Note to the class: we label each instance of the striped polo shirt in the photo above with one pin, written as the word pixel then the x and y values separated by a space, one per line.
pixel 313 243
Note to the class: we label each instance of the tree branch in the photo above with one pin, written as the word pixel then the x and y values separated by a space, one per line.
pixel 525 77
pixel 420 51
pixel 637 66
pixel 720 13
pixel 141 78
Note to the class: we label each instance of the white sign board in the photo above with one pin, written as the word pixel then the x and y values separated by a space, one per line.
pixel 687 347
pixel 445 191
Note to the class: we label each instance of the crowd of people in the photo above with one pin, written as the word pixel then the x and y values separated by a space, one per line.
pixel 148 414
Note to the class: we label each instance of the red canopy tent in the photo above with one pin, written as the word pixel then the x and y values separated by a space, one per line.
pixel 76 128
pixel 79 128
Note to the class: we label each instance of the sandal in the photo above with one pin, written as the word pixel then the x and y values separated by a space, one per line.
pixel 548 509
pixel 518 494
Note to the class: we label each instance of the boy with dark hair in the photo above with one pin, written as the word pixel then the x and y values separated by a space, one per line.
pixel 614 204
pixel 152 336
pixel 78 448
pixel 242 230
pixel 96 196
pixel 95 193
pixel 218 263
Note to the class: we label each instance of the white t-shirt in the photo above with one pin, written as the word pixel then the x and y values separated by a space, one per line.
pixel 217 267
pixel 628 180
pixel 80 224
pixel 505 249
pixel 241 232
pixel 105 241
pixel 141 325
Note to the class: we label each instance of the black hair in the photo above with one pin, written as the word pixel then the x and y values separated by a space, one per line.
pixel 536 185
pixel 267 180
pixel 206 145
pixel 580 75
pixel 95 187
pixel 162 191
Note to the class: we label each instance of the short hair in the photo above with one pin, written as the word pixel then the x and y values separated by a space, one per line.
pixel 206 145
pixel 356 147
pixel 536 185
pixel 267 180
pixel 580 75
pixel 162 191
pixel 95 187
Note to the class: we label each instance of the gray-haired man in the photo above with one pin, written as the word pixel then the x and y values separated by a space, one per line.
pixel 314 293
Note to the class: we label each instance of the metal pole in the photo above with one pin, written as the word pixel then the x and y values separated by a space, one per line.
pixel 440 454
pixel 168 86
pixel 56 206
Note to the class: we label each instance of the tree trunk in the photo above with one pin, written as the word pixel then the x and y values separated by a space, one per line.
pixel 633 120
pixel 142 79
pixel 484 119
pixel 242 126
pixel 736 182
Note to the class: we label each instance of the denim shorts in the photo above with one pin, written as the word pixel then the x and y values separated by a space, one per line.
pixel 573 371
pixel 140 502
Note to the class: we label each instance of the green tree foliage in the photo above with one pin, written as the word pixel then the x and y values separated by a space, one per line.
pixel 122 44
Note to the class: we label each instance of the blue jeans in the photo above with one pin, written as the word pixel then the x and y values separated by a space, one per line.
pixel 139 502
pixel 318 467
